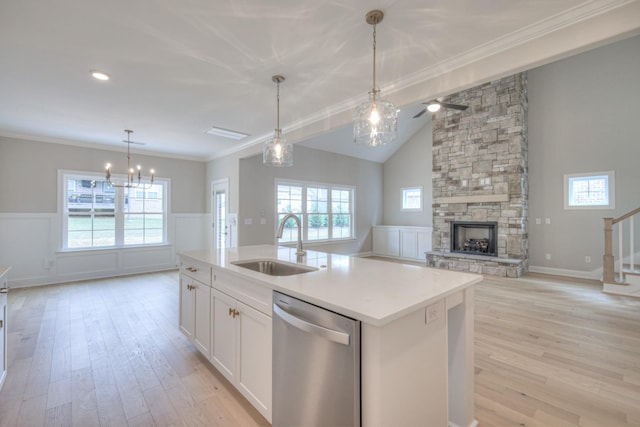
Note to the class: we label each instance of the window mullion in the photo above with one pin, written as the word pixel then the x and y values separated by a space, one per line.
pixel 119 216
pixel 329 214
pixel 305 215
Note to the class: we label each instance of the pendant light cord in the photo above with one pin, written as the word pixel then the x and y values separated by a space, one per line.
pixel 374 62
pixel 278 106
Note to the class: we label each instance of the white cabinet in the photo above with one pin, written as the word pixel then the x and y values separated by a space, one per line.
pixel 223 354
pixel 401 242
pixel 195 305
pixel 386 241
pixel 241 348
pixel 3 325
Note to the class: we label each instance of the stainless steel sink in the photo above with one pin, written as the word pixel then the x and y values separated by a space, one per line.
pixel 274 268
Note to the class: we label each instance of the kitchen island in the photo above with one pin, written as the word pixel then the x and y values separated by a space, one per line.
pixel 416 332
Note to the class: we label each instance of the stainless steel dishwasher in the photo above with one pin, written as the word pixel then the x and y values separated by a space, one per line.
pixel 316 365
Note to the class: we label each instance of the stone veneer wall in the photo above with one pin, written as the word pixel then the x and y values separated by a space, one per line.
pixel 480 174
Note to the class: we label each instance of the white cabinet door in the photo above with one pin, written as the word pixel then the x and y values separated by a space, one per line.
pixel 225 342
pixel 187 313
pixel 195 313
pixel 254 358
pixel 386 241
pixel 424 244
pixel 202 317
pixel 409 239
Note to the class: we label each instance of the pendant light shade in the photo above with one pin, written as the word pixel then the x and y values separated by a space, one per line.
pixel 277 151
pixel 375 122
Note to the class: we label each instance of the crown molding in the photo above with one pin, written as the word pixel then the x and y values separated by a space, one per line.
pixel 96 146
pixel 512 40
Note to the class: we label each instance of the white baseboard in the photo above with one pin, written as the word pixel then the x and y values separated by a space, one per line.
pixel 595 274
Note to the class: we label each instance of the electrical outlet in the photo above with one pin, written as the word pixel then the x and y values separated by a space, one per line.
pixel 538 221
pixel 432 313
pixel 587 259
pixel 548 256
pixel 248 221
pixel 547 221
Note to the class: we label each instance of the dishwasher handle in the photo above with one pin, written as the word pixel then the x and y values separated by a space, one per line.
pixel 330 334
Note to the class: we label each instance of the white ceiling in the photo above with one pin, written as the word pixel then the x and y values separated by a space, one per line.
pixel 180 67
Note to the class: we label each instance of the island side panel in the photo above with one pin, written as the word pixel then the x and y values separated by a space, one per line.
pixel 404 370
pixel 460 332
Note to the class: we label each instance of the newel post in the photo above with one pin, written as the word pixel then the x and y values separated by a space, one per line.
pixel 608 274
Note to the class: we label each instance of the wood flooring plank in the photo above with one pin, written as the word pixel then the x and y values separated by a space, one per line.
pixel 59 416
pixel 84 406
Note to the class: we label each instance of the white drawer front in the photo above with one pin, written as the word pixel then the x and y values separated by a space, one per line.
pixel 196 269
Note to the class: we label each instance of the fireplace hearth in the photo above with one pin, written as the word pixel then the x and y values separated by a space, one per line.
pixel 477 238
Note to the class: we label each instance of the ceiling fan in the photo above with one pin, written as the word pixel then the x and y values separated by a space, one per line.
pixel 435 105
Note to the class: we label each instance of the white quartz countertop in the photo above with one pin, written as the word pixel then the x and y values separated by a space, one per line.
pixel 375 292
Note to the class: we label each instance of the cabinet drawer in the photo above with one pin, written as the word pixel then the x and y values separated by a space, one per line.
pixel 196 269
pixel 253 294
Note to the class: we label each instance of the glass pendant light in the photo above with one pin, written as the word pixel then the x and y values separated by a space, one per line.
pixel 375 121
pixel 277 151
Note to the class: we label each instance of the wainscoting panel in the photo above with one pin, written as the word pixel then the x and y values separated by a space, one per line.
pixel 25 245
pixel 30 244
pixel 81 263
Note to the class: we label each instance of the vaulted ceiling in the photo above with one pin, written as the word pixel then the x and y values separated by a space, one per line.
pixel 179 67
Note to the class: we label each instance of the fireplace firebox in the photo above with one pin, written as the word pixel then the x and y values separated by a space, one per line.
pixel 477 238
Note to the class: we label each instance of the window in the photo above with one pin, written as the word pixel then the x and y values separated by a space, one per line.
pixel 325 211
pixel 97 215
pixel 412 199
pixel 589 191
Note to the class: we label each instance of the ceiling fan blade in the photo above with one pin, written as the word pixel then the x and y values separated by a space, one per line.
pixel 424 110
pixel 454 106
pixel 134 142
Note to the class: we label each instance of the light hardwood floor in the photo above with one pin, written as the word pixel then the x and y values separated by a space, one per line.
pixel 108 352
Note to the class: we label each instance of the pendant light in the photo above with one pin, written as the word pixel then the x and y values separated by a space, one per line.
pixel 134 178
pixel 277 151
pixel 375 121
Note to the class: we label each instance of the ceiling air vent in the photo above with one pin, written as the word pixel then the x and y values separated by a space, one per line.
pixel 231 134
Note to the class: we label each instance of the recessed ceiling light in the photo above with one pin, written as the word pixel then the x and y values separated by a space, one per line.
pixel 232 134
pixel 99 75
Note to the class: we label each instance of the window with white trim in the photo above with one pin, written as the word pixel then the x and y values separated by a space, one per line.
pixel 97 215
pixel 325 211
pixel 412 199
pixel 589 191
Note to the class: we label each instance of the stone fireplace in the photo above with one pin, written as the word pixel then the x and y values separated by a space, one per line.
pixel 480 177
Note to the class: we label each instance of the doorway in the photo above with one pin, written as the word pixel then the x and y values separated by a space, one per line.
pixel 220 211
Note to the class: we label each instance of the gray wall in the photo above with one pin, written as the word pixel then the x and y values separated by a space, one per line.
pixel 257 193
pixel 410 166
pixel 583 117
pixel 28 174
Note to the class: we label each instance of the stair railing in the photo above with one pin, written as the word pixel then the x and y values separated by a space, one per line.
pixel 608 260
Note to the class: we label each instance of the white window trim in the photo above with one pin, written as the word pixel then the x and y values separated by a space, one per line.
pixel 414 187
pixel 305 224
pixel 611 184
pixel 62 173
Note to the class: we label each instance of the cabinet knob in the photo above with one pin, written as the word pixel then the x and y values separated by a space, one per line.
pixel 1 324
pixel 235 313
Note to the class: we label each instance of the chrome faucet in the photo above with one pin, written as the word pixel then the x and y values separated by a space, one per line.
pixel 299 252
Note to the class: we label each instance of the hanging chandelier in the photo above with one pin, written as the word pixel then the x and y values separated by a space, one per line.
pixel 375 121
pixel 133 180
pixel 277 151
